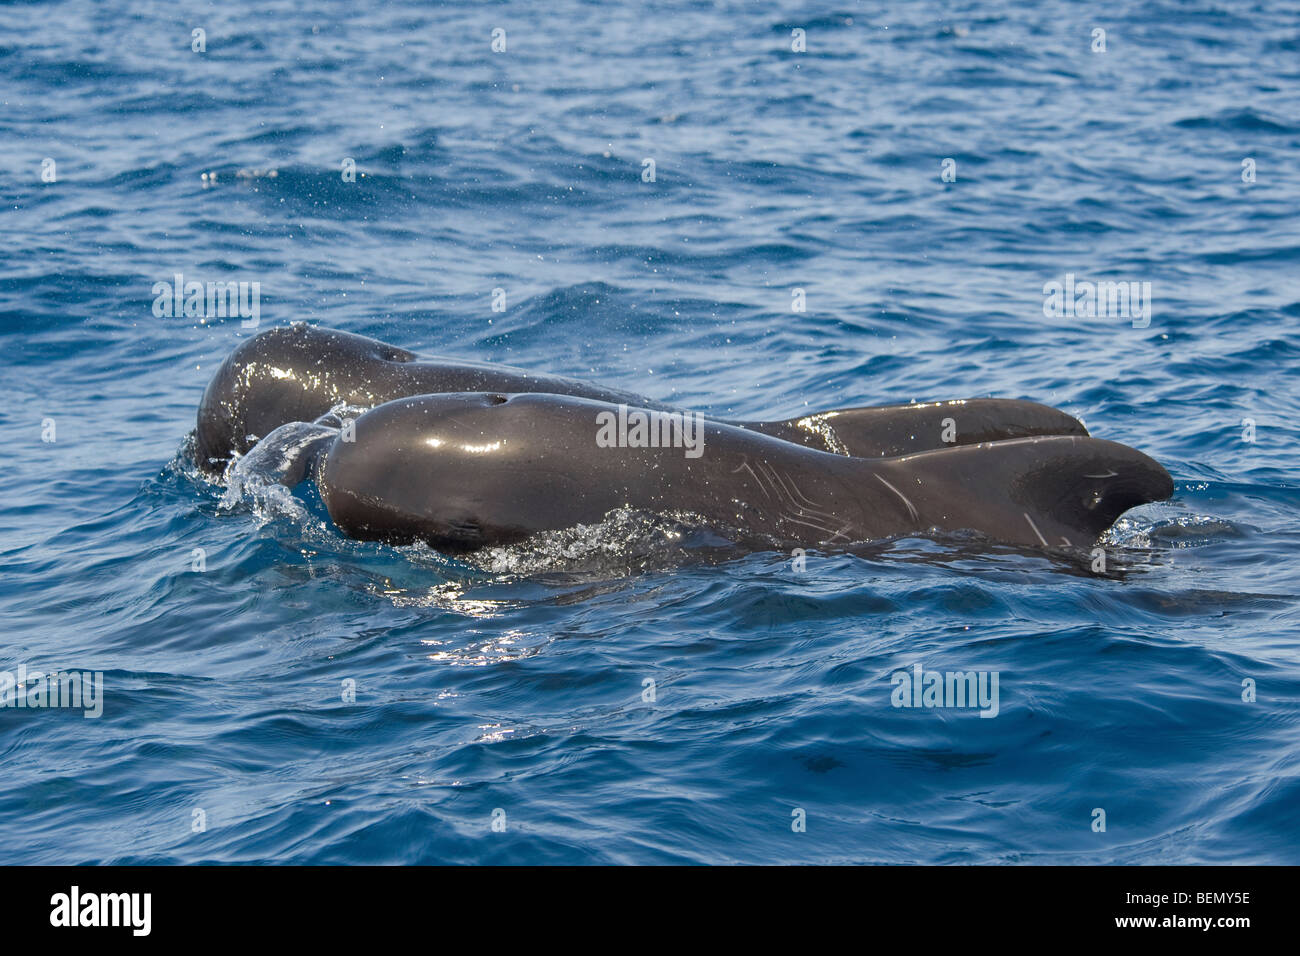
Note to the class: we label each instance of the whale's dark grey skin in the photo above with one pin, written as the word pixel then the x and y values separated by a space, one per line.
pixel 464 471
pixel 299 372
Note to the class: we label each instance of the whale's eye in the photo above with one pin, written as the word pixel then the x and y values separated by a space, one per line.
pixel 391 353
pixel 498 399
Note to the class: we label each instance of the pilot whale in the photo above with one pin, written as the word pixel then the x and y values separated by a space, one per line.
pixel 463 471
pixel 464 455
pixel 298 373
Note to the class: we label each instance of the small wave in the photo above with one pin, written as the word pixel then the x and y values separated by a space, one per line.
pixel 1245 120
pixel 260 479
pixel 626 541
pixel 1189 531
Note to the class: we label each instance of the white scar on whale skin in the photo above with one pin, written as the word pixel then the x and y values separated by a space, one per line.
pixel 795 491
pixel 1036 531
pixel 791 496
pixel 911 508
pixel 744 466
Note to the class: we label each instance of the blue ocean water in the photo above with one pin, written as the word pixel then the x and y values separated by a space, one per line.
pixel 512 687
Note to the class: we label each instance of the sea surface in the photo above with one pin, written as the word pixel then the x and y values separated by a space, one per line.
pixel 615 694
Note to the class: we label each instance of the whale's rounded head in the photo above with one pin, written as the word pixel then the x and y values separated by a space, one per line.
pixel 285 374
